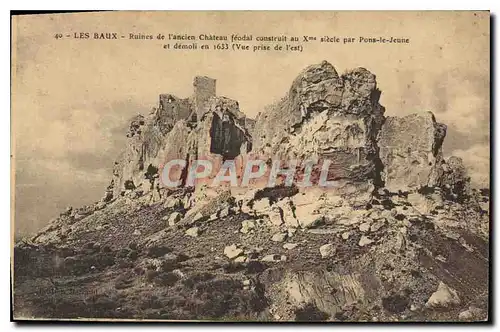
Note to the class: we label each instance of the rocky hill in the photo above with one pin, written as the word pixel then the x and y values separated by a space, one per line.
pixel 402 236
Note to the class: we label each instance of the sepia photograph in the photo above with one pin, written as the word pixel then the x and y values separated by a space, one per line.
pixel 251 166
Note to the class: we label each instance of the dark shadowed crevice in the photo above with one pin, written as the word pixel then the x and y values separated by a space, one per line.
pixel 184 172
pixel 226 138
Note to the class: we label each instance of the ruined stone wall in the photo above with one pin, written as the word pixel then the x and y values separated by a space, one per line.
pixel 170 110
pixel 204 89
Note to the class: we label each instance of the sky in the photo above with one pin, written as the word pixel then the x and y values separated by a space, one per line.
pixel 72 98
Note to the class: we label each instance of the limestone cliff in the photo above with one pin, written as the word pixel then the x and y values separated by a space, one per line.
pixel 338 117
pixel 323 116
pixel 177 128
pixel 410 150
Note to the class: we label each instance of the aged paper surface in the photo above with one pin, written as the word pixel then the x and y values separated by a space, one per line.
pixel 251 166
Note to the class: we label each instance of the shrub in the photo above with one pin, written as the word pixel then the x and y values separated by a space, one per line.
pixel 254 267
pixel 195 279
pixel 233 267
pixel 132 255
pixel 167 279
pixel 139 270
pixel 123 281
pixel 310 313
pixel 123 253
pixel 395 303
pixel 226 298
pixel 151 275
pixel 157 251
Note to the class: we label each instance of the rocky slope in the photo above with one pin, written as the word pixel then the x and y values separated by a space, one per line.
pixel 403 238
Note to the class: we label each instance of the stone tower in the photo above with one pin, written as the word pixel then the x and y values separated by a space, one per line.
pixel 204 88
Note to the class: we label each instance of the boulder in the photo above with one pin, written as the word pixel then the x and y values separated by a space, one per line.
pixel 240 259
pixel 289 246
pixel 100 205
pixel 327 250
pixel 232 251
pixel 443 297
pixel 170 259
pixel 308 216
pixel 67 211
pixel 400 243
pixel 261 206
pixel 410 151
pixel 223 213
pixel 247 226
pixel 377 225
pixel 173 203
pixel 365 227
pixel 198 217
pixel 454 180
pixel 424 204
pixel 274 258
pixel 313 206
pixel 78 216
pixel 173 218
pixel 364 241
pixel 193 232
pixel 472 314
pixel 279 237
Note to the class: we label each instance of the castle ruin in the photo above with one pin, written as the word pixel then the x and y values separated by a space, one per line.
pixel 204 89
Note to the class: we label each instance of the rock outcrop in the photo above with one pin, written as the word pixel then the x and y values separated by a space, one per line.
pixel 454 179
pixel 324 116
pixel 410 151
pixel 327 116
pixel 203 126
